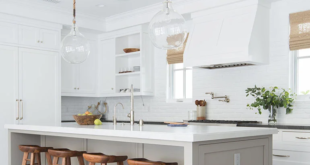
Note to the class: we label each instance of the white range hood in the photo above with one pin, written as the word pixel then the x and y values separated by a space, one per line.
pixel 231 35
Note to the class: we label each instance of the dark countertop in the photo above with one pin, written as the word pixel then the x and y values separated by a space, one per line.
pixel 110 121
pixel 277 125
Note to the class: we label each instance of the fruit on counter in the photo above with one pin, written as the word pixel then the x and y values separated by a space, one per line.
pixel 87 113
pixel 97 122
pixel 79 114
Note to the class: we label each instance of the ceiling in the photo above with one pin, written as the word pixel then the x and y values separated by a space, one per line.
pixel 89 7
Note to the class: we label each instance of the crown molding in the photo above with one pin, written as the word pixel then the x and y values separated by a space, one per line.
pixel 145 14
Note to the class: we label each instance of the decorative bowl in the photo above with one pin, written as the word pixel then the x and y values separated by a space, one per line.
pixel 130 50
pixel 86 120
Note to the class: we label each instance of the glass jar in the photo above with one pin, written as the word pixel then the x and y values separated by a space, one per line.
pixel 201 112
pixel 192 115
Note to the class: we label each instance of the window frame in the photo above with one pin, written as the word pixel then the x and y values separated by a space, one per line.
pixel 294 60
pixel 170 91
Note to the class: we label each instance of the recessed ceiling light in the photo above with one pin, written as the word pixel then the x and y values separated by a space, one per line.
pixel 100 5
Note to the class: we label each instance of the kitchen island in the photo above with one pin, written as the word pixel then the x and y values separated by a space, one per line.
pixel 191 145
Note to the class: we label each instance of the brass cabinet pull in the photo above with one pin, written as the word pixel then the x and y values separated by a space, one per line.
pixel 282 156
pixel 41 41
pixel 17 109
pixel 38 41
pixel 74 88
pixel 302 138
pixel 21 101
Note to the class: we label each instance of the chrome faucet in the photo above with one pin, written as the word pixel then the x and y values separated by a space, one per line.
pixel 131 114
pixel 114 117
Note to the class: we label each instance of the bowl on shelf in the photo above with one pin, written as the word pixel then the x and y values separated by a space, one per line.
pixel 130 50
pixel 86 120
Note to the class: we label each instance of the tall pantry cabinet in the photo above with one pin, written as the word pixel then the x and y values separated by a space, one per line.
pixel 30 91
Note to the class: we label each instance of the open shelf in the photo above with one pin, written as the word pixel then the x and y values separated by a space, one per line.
pixel 133 54
pixel 127 74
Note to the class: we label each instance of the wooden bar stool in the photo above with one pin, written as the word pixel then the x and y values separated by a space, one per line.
pixel 142 161
pixel 94 158
pixel 66 156
pixel 34 152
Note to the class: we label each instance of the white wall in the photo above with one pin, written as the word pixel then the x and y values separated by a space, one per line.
pixel 230 81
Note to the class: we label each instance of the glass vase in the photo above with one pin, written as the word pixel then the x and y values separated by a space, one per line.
pixel 272 115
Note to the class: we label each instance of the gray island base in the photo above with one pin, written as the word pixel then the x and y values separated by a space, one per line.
pixel 192 145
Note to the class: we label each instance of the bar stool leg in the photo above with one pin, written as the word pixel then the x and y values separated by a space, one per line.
pixel 81 160
pixel 48 158
pixel 32 158
pixel 55 160
pixel 38 158
pixel 120 163
pixel 24 162
pixel 104 163
pixel 91 163
pixel 68 161
pixel 64 160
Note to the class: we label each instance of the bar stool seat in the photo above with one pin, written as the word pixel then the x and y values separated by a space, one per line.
pixel 34 152
pixel 94 158
pixel 142 161
pixel 66 156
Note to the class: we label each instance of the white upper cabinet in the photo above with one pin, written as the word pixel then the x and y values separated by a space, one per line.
pixel 49 39
pixel 37 37
pixel 87 72
pixel 81 79
pixel 107 52
pixel 8 33
pixel 29 36
pixel 68 77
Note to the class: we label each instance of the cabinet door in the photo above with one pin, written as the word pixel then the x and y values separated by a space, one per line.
pixel 68 78
pixel 107 76
pixel 8 94
pixel 8 33
pixel 29 36
pixel 248 152
pixel 38 87
pixel 87 77
pixel 49 39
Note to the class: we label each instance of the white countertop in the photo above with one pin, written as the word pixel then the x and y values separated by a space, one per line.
pixel 191 133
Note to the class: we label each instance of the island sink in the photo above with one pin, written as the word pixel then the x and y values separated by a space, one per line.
pixel 192 145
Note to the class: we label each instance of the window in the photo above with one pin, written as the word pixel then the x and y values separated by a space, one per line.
pixel 180 86
pixel 301 76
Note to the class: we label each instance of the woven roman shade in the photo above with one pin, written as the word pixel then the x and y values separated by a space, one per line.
pixel 300 30
pixel 175 56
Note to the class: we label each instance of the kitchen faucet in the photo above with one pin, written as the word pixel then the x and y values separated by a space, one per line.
pixel 114 117
pixel 131 114
pixel 226 99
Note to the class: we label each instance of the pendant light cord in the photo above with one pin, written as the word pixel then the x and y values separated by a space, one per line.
pixel 74 11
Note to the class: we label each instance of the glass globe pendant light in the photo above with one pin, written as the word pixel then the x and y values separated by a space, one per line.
pixel 167 28
pixel 75 48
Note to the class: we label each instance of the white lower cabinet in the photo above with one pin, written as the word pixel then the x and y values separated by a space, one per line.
pixel 291 147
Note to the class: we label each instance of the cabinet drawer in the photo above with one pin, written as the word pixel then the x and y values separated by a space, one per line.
pixel 291 156
pixel 301 137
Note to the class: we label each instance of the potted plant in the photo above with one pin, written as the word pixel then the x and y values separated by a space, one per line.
pixel 270 100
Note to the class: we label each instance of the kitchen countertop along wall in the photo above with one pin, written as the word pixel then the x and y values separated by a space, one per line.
pixel 230 81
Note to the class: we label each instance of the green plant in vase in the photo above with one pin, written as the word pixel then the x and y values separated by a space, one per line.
pixel 270 100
